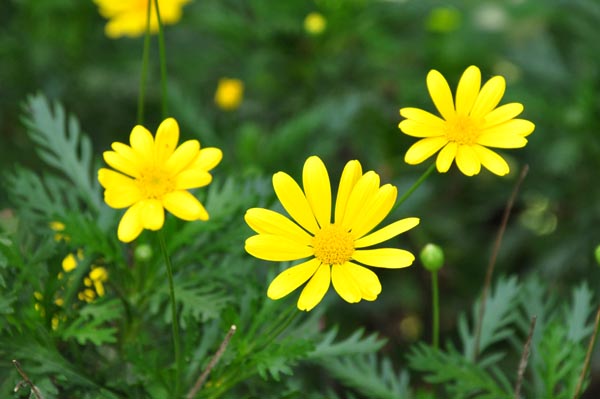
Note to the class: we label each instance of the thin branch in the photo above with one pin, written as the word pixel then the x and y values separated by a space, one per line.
pixel 26 381
pixel 524 358
pixel 586 363
pixel 492 263
pixel 200 381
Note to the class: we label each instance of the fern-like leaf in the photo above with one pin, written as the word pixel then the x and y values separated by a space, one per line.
pixel 357 343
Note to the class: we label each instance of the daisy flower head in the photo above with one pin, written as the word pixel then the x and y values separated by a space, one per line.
pixel 468 125
pixel 331 252
pixel 128 17
pixel 153 174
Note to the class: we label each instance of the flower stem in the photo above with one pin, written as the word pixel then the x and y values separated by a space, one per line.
pixel 163 63
pixel 421 179
pixel 174 317
pixel 145 53
pixel 435 303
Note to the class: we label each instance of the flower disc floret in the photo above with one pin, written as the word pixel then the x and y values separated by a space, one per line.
pixel 468 126
pixel 332 252
pixel 153 174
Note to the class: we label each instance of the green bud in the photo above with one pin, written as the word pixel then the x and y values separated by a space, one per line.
pixel 597 254
pixel 432 257
pixel 143 253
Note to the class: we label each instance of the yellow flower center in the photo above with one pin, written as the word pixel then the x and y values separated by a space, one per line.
pixel 154 183
pixel 462 129
pixel 333 245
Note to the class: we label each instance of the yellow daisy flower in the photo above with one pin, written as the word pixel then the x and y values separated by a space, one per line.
pixel 315 23
pixel 128 17
pixel 335 250
pixel 468 125
pixel 229 94
pixel 154 174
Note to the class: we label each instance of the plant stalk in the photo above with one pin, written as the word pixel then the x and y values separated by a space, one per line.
pixel 163 63
pixel 145 56
pixel 435 303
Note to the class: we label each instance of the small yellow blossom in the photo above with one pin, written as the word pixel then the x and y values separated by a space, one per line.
pixel 315 23
pixel 128 17
pixel 99 275
pixel 332 252
pixel 469 125
pixel 154 174
pixel 59 227
pixel 87 295
pixel 229 94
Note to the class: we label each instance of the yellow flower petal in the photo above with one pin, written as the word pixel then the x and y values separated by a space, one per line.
pixel 317 189
pixel 142 142
pixel 121 191
pixel 350 175
pixel 467 160
pixel 183 156
pixel 167 137
pixel 501 114
pixel 492 161
pixel 99 274
pixel 468 89
pixel 276 248
pixel 387 232
pixel 368 281
pixel 418 129
pixel 118 162
pixel 445 157
pixel 265 221
pixel 192 178
pixel 344 284
pixel 316 289
pixel 294 202
pixel 128 154
pixel 152 214
pixel 292 278
pixel 69 263
pixel 363 191
pixel 391 258
pixel 490 95
pixel 440 94
pixel 184 205
pixel 423 149
pixel 131 224
pixel 208 158
pixel 501 140
pixel 422 117
pixel 375 211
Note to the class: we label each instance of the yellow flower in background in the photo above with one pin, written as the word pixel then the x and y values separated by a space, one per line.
pixel 99 275
pixel 315 23
pixel 128 17
pixel 154 174
pixel 335 251
pixel 229 94
pixel 468 125
pixel 58 228
pixel 69 263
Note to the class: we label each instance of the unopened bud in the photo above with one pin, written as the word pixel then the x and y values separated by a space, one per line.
pixel 597 254
pixel 432 257
pixel 143 252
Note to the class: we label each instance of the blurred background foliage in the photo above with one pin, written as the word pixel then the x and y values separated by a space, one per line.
pixel 336 94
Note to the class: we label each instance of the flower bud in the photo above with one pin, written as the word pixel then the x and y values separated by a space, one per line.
pixel 432 257
pixel 597 254
pixel 143 253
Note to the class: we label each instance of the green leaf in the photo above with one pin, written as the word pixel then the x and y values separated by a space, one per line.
pixel 91 324
pixel 357 343
pixel 61 145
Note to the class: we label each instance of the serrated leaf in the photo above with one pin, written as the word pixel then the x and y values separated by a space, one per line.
pixel 356 343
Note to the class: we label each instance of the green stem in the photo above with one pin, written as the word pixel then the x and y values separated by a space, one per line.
pixel 163 63
pixel 175 319
pixel 421 179
pixel 145 54
pixel 435 303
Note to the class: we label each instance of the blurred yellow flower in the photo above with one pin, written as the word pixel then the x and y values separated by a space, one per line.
pixel 69 263
pixel 59 227
pixel 468 125
pixel 154 174
pixel 229 94
pixel 99 275
pixel 335 250
pixel 128 17
pixel 315 23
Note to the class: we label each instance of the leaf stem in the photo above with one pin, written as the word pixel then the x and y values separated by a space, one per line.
pixel 420 180
pixel 174 316
pixel 493 257
pixel 586 363
pixel 145 55
pixel 435 303
pixel 163 63
pixel 524 358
